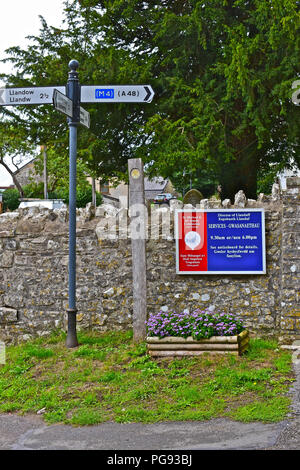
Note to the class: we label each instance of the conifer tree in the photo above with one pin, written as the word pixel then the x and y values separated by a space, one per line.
pixel 222 72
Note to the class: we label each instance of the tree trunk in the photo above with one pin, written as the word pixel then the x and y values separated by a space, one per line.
pixel 240 173
pixel 15 179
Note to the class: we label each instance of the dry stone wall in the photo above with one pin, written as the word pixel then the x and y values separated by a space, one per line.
pixel 34 271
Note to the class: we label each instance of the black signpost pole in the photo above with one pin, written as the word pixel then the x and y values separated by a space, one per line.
pixel 73 92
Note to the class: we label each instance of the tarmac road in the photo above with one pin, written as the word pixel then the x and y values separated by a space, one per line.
pixel 31 433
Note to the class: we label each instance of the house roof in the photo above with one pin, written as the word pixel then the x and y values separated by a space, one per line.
pixel 3 188
pixel 24 166
pixel 156 184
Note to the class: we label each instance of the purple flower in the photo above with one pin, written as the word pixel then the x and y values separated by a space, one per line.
pixel 199 323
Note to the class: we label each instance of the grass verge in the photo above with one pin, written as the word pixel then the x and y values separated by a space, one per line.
pixel 109 378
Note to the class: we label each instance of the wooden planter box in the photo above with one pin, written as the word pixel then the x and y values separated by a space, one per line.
pixel 175 346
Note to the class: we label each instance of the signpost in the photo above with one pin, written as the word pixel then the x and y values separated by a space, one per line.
pixel 85 118
pixel 73 92
pixel 62 103
pixel 214 241
pixel 25 96
pixel 67 100
pixel 117 94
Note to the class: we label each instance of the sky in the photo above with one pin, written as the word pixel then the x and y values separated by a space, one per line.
pixel 20 18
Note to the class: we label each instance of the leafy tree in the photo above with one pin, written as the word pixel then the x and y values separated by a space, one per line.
pixel 11 199
pixel 59 183
pixel 58 169
pixel 14 144
pixel 222 72
pixel 202 180
pixel 112 137
pixel 84 195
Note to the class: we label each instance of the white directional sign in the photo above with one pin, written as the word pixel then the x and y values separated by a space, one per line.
pixel 21 96
pixel 62 103
pixel 84 117
pixel 116 94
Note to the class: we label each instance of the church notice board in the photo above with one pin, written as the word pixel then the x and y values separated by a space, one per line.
pixel 216 241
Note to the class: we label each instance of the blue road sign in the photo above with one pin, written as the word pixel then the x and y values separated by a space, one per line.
pixel 104 93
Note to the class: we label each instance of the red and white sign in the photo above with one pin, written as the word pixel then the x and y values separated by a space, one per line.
pixel 192 241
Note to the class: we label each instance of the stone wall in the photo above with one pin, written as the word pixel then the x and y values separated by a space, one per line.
pixel 34 272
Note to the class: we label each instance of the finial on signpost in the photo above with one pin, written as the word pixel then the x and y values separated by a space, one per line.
pixel 73 64
pixel 73 74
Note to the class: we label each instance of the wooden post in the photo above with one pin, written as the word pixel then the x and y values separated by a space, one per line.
pixel 138 248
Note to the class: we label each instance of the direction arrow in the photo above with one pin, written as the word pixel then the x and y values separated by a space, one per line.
pixel 116 94
pixel 24 96
pixel 62 103
pixel 84 117
pixel 149 95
